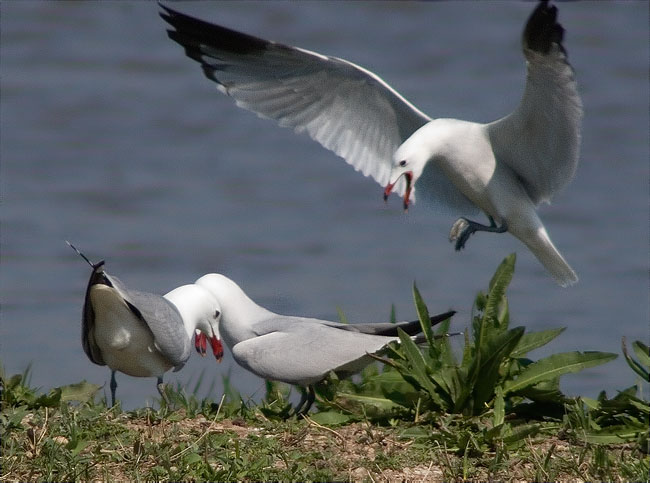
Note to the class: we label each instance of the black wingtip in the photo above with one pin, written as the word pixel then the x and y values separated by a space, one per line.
pixel 193 33
pixel 94 265
pixel 542 29
pixel 436 319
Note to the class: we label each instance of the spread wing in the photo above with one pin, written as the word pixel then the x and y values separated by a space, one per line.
pixel 540 140
pixel 347 109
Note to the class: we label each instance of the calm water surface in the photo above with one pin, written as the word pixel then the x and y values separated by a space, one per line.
pixel 113 139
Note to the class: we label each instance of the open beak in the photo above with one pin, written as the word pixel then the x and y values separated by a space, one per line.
pixel 217 347
pixel 407 193
pixel 200 343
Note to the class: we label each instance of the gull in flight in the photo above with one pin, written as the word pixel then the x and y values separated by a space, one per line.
pixel 297 350
pixel 143 334
pixel 505 168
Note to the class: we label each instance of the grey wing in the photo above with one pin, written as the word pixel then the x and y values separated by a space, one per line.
pixel 347 109
pixel 163 320
pixel 303 352
pixel 540 140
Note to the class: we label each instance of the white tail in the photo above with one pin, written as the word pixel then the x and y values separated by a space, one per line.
pixel 542 246
pixel 530 230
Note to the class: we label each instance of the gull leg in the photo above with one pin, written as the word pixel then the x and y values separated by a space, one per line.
pixel 161 390
pixel 463 228
pixel 113 387
pixel 304 405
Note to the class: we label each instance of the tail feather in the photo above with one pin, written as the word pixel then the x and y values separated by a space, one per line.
pixel 542 246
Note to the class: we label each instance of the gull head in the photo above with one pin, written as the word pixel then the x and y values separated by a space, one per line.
pixel 408 161
pixel 207 329
pixel 200 312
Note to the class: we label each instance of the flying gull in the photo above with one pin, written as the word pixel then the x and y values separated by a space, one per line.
pixel 505 168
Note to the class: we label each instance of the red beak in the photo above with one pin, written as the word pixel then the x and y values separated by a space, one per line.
pixel 409 185
pixel 387 191
pixel 407 193
pixel 201 343
pixel 217 347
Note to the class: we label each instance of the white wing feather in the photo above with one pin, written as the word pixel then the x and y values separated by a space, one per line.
pixel 347 109
pixel 540 140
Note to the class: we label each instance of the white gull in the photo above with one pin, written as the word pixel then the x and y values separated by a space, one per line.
pixel 297 350
pixel 505 168
pixel 143 334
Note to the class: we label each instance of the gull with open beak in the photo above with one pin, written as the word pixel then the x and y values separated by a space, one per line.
pixel 143 334
pixel 505 168
pixel 299 350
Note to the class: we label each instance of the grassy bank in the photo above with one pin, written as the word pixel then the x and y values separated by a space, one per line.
pixel 424 413
pixel 90 442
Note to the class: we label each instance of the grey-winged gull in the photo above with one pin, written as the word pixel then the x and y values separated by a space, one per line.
pixel 143 334
pixel 297 350
pixel 505 168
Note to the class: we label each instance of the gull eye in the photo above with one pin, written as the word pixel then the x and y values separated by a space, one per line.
pixel 216 314
pixel 402 163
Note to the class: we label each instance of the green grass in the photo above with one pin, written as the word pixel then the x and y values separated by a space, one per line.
pixel 426 413
pixel 89 442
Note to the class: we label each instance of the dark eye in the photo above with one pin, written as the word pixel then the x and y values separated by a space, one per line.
pixel 216 314
pixel 402 163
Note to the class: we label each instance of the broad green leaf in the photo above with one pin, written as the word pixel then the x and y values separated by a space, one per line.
pixel 543 393
pixel 498 285
pixel 519 434
pixel 504 313
pixel 503 272
pixel 423 315
pixel 376 401
pixel 414 356
pixel 642 352
pixel 556 365
pixel 641 406
pixel 533 340
pixel 496 350
pixel 52 399
pixel 330 418
pixel 387 377
pixel 446 355
pixel 611 435
pixel 453 381
pixel 467 359
pixel 590 403
pixel 76 445
pixel 192 458
pixel 635 365
pixel 80 392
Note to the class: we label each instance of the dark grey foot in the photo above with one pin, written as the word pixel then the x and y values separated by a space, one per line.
pixel 113 387
pixel 464 228
pixel 161 390
pixel 305 403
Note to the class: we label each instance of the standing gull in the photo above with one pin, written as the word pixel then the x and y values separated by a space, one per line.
pixel 296 350
pixel 504 168
pixel 143 334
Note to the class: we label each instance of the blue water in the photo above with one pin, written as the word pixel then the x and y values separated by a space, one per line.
pixel 111 138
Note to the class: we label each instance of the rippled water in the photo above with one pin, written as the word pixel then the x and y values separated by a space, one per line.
pixel 113 139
